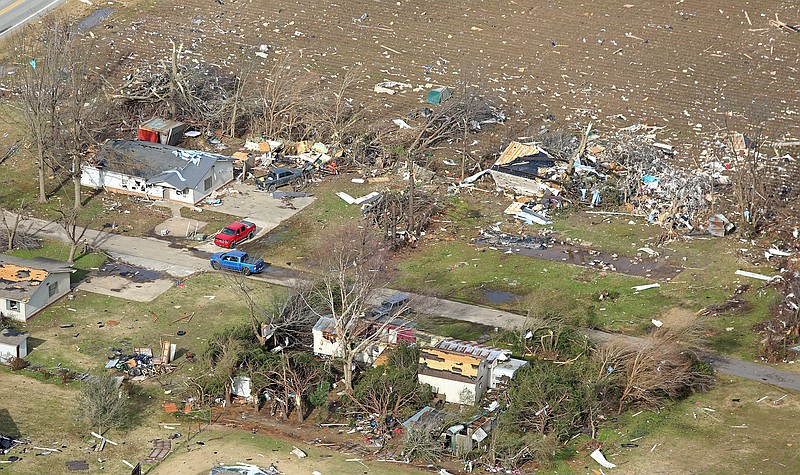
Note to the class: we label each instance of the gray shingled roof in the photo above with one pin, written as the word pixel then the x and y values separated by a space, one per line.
pixel 157 163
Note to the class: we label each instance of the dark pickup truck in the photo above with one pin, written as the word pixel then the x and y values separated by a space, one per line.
pixel 234 233
pixel 278 178
pixel 237 261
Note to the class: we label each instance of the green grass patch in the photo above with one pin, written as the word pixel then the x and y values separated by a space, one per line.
pixel 101 323
pixel 84 263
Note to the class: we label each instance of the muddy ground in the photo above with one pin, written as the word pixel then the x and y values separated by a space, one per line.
pixel 680 64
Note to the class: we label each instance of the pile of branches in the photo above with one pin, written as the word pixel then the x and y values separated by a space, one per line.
pixel 463 113
pixel 782 332
pixel 199 91
pixel 401 222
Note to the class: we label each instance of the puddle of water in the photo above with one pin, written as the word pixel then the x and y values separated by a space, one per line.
pixel 94 19
pixel 497 296
pixel 135 274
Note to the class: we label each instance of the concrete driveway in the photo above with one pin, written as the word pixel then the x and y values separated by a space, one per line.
pixel 243 201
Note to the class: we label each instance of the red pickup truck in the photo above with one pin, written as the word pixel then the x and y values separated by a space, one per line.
pixel 234 233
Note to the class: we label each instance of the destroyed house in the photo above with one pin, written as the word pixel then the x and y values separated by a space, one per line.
pixel 395 331
pixel 455 368
pixel 460 378
pixel 502 367
pixel 326 341
pixel 29 285
pixel 156 171
pixel 526 169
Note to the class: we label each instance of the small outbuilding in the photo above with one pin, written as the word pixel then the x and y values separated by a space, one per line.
pixel 163 131
pixel 13 344
pixel 438 95
pixel 29 285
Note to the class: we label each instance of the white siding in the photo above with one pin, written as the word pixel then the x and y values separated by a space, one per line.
pixel 451 390
pixel 17 316
pixel 97 178
pixel 8 351
pixel 324 347
pixel 40 299
pixel 221 173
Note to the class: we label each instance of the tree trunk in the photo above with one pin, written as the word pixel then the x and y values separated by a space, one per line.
pixel 347 369
pixel 42 191
pixel 298 401
pixel 72 248
pixel 76 181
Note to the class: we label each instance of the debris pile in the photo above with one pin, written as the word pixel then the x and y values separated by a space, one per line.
pixel 140 365
pixel 781 333
pixel 401 218
pixel 496 238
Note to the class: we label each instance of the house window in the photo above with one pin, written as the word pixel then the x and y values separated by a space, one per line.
pixel 207 183
pixel 12 305
pixel 53 288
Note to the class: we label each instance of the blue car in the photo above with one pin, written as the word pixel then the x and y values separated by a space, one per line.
pixel 237 261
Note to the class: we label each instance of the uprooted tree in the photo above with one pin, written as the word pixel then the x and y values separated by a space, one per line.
pixel 284 319
pixel 295 375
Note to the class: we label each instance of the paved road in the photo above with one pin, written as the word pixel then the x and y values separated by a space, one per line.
pixel 158 255
pixel 15 13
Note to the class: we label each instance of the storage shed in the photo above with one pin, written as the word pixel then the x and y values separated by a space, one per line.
pixel 164 131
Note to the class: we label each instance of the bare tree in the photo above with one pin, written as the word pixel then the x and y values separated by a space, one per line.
pixel 11 225
pixel 335 114
pixel 42 63
pixel 287 316
pixel 69 221
pixel 286 88
pixel 102 403
pixel 297 374
pixel 352 265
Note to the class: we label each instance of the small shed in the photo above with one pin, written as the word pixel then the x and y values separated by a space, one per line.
pixel 438 95
pixel 164 131
pixel 13 344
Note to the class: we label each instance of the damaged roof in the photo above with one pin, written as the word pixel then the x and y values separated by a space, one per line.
pixel 157 163
pixel 457 364
pixel 19 278
pixel 489 353
pixel 326 325
pixel 524 158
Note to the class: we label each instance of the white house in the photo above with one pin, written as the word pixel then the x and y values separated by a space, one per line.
pixel 29 285
pixel 326 341
pixel 461 378
pixel 462 371
pixel 13 344
pixel 156 171
pixel 501 366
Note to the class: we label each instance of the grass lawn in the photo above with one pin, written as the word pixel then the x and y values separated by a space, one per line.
pixel 102 323
pixel 447 266
pixel 225 446
pixel 736 434
pixel 60 252
pixel 47 415
pixel 299 236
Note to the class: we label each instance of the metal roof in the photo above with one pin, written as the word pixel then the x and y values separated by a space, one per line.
pixel 326 325
pixel 471 348
pixel 157 163
pixel 157 124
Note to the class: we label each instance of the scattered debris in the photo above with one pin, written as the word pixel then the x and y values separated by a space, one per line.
pixel 598 456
